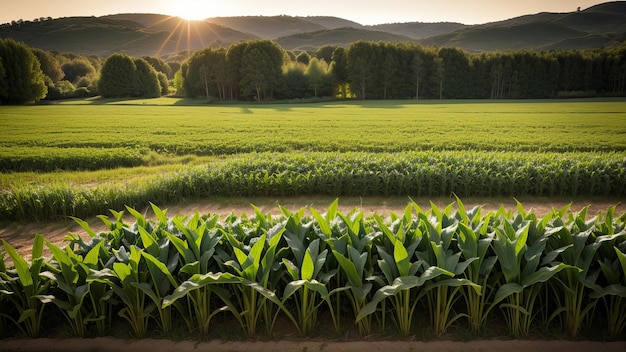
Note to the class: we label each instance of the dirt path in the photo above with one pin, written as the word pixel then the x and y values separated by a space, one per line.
pixel 105 344
pixel 20 235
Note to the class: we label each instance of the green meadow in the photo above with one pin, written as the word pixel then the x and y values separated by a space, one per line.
pixel 170 149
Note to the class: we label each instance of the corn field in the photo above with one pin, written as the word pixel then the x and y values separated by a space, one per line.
pixel 414 174
pixel 325 272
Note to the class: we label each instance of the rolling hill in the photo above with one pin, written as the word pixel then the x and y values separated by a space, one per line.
pixel 599 26
pixel 133 34
pixel 336 37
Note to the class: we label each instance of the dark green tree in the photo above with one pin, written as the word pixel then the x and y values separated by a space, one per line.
pixel 234 57
pixel 207 74
pixel 339 71
pixel 49 65
pixel 117 77
pixel 160 66
pixel 303 58
pixel 261 68
pixel 146 81
pixel 316 74
pixel 23 79
pixel 295 84
pixel 78 67
pixel 361 58
pixel 325 53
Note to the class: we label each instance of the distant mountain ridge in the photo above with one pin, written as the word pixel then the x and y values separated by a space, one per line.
pixel 602 25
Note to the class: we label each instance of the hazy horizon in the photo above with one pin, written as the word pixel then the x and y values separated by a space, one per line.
pixel 462 11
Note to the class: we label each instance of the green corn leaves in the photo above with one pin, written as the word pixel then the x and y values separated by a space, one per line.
pixel 445 266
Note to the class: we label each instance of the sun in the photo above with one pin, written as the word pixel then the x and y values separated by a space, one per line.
pixel 191 10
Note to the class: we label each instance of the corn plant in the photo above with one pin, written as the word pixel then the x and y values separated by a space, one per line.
pixel 583 242
pixel 520 262
pixel 400 274
pixel 442 292
pixel 199 268
pixel 474 241
pixel 69 273
pixel 26 288
pixel 255 291
pixel 612 261
pixel 307 280
pixel 614 294
pixel 128 281
pixel 353 254
pixel 97 255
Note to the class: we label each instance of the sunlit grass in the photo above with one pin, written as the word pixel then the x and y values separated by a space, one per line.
pixel 135 176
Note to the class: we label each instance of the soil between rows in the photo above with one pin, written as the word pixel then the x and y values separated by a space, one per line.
pixel 107 344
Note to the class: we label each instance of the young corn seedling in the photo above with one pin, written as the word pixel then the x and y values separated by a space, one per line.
pixel 201 270
pixel 614 294
pixel 352 251
pixel 474 241
pixel 442 292
pixel 69 272
pixel 523 277
pixel 400 273
pixel 26 289
pixel 582 243
pixel 162 262
pixel 612 261
pixel 253 266
pixel 305 287
pixel 127 281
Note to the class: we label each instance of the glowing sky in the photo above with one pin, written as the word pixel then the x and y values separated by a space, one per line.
pixel 361 11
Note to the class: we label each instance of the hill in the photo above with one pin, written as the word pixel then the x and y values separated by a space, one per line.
pixel 337 37
pixel 268 27
pixel 599 26
pixel 602 25
pixel 419 30
pixel 134 34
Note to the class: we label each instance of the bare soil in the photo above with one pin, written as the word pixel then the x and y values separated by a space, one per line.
pixel 106 344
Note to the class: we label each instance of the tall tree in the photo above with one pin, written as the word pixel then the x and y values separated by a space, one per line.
pixel 325 53
pixel 303 58
pixel 316 74
pixel 234 57
pixel 359 66
pixel 417 64
pixel 23 79
pixel 49 65
pixel 146 80
pixel 261 68
pixel 207 74
pixel 439 74
pixel 117 77
pixel 339 70
pixel 78 67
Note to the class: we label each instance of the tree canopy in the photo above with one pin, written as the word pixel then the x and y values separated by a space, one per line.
pixel 23 79
pixel 123 76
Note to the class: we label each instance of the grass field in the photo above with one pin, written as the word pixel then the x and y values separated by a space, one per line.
pixel 356 126
pixel 68 156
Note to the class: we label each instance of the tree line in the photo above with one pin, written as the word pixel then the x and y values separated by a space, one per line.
pixel 262 70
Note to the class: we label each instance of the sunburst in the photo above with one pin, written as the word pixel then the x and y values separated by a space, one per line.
pixel 191 10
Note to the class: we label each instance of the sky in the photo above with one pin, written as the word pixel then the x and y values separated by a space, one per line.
pixel 365 12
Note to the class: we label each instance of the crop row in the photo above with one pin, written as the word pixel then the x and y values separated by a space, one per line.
pixel 450 267
pixel 419 174
pixel 45 159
